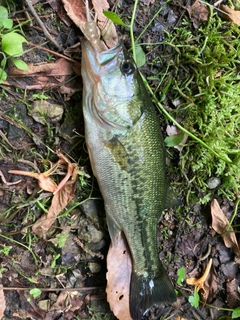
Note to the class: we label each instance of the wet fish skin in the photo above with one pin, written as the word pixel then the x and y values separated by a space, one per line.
pixel 127 157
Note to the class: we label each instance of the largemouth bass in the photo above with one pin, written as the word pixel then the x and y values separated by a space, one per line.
pixel 127 157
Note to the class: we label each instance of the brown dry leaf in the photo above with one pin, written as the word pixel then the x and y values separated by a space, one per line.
pixel 232 293
pixel 61 67
pixel 106 27
pixel 76 11
pixel 210 286
pixel 119 265
pixel 198 13
pixel 220 224
pixel 2 302
pixel 44 181
pixel 199 283
pixel 230 14
pixel 59 202
pixel 47 75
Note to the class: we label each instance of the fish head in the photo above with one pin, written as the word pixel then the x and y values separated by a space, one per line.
pixel 111 85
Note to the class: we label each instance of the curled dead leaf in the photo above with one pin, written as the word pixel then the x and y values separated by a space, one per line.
pixel 59 202
pixel 199 283
pixel 221 225
pixel 198 13
pixel 230 14
pixel 76 11
pixel 119 265
pixel 44 181
pixel 63 193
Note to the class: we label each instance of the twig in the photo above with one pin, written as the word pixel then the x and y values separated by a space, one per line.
pixel 5 181
pixel 39 21
pixel 53 289
pixel 92 254
pixel 8 142
pixel 55 53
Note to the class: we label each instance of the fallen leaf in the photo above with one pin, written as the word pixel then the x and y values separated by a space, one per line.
pixel 47 75
pixel 2 302
pixel 221 225
pixel 210 286
pixel 76 11
pixel 61 67
pixel 199 283
pixel 63 193
pixel 44 181
pixel 230 14
pixel 59 202
pixel 198 13
pixel 106 27
pixel 232 293
pixel 119 265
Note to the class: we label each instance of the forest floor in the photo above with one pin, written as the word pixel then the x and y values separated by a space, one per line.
pixel 60 273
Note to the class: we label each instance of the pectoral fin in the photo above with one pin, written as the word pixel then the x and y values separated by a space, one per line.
pixel 118 152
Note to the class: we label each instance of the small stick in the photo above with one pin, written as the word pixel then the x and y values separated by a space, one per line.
pixel 39 21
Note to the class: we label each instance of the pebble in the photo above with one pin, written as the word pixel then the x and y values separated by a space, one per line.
pixel 213 182
pixel 94 267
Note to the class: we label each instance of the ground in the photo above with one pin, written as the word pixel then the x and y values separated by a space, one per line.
pixel 72 252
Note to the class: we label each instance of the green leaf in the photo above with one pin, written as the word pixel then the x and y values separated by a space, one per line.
pixel 6 250
pixel 194 300
pixel 174 140
pixel 53 265
pixel 20 64
pixel 140 56
pixel 181 275
pixel 12 43
pixel 61 239
pixel 3 14
pixel 3 75
pixel 7 23
pixel 114 18
pixel 236 313
pixel 35 292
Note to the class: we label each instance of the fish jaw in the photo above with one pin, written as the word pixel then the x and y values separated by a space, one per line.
pixel 109 95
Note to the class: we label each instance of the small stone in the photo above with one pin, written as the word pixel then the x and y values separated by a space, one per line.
pixel 213 183
pixel 43 111
pixel 94 267
pixel 44 305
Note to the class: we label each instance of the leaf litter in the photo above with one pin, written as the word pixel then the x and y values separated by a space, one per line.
pixel 62 193
pixel 221 225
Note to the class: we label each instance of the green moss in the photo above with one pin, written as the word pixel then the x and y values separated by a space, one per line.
pixel 206 82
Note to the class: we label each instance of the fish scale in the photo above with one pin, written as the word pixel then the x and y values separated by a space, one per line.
pixel 128 159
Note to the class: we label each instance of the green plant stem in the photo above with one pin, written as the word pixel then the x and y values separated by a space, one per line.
pixel 21 244
pixel 234 214
pixel 149 23
pixel 161 108
pixel 131 29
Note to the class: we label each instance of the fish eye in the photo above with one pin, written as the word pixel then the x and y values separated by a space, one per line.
pixel 127 67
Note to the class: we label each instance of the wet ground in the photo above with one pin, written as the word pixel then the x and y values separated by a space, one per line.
pixel 72 252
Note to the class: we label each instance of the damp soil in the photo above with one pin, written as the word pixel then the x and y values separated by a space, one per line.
pixel 79 263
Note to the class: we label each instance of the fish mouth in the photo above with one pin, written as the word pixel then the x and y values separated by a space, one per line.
pixel 94 59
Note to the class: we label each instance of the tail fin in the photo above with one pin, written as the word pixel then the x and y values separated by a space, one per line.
pixel 146 291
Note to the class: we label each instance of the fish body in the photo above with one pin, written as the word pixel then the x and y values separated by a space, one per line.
pixel 127 157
